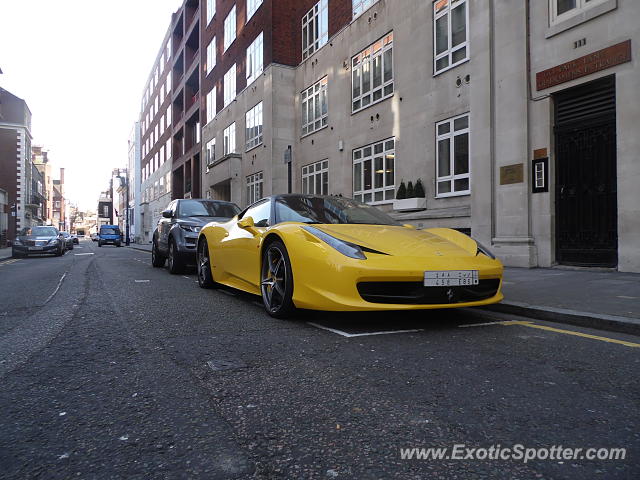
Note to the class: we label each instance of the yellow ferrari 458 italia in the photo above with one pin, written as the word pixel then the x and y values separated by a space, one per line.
pixel 333 253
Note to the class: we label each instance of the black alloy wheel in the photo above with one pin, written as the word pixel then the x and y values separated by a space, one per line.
pixel 157 260
pixel 175 264
pixel 205 278
pixel 276 281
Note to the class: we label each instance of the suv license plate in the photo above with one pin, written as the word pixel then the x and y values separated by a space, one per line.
pixel 450 278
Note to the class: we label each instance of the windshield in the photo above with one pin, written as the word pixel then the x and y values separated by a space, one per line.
pixel 311 209
pixel 109 231
pixel 207 208
pixel 40 231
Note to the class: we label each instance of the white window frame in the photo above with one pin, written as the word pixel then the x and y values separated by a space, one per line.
pixel 255 58
pixel 211 10
pixel 538 173
pixel 211 104
pixel 252 7
pixel 358 7
pixel 315 28
pixel 255 184
pixel 211 151
pixel 230 28
pixel 369 153
pixel 211 55
pixel 230 85
pixel 315 97
pixel 314 175
pixel 229 140
pixel 581 6
pixel 362 65
pixel 254 127
pixel 452 176
pixel 447 7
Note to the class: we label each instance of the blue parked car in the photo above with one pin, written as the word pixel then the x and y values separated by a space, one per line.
pixel 109 234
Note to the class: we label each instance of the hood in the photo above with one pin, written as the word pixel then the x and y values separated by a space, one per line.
pixel 37 237
pixel 395 240
pixel 202 221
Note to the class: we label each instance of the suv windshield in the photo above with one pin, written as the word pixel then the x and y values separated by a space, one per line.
pixel 40 231
pixel 109 231
pixel 311 209
pixel 207 208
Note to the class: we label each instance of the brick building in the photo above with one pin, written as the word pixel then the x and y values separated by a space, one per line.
pixel 18 209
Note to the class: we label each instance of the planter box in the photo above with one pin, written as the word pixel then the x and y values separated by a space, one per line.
pixel 409 204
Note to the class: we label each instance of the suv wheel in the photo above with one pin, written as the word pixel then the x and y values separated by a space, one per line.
pixel 175 263
pixel 157 260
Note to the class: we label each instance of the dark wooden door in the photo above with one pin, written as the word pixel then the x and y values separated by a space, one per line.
pixel 586 189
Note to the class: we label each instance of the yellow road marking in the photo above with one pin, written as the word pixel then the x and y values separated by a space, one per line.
pixel 571 332
pixel 8 262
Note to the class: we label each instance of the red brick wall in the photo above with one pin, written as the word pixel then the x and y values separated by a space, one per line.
pixel 287 26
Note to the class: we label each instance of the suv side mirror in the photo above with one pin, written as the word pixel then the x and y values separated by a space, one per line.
pixel 246 223
pixel 167 214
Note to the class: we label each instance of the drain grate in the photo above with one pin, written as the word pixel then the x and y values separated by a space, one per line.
pixel 225 364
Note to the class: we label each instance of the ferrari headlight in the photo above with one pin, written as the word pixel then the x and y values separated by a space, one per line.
pixel 485 251
pixel 345 248
pixel 190 228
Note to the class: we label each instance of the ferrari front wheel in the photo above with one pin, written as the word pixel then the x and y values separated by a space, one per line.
pixel 276 281
pixel 205 278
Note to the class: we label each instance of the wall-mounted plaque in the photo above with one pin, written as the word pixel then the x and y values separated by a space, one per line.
pixel 510 174
pixel 586 65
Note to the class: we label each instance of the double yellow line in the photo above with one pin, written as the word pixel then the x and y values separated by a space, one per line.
pixel 10 261
pixel 571 332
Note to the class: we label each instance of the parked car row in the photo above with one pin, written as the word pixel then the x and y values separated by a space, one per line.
pixel 40 240
pixel 325 253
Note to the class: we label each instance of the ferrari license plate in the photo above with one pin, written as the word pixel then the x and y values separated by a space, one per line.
pixel 450 278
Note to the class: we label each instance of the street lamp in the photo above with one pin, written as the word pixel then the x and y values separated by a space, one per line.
pixel 125 179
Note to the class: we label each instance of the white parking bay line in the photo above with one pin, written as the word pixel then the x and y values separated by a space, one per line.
pixel 367 334
pixel 142 281
pixel 467 325
pixel 80 254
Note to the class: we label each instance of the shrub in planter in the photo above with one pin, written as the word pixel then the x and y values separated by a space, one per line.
pixel 402 191
pixel 419 189
pixel 410 191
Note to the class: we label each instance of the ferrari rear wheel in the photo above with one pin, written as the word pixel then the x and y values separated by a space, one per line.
pixel 205 278
pixel 276 281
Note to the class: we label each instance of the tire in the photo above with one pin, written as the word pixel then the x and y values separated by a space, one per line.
pixel 276 281
pixel 15 254
pixel 175 263
pixel 118 244
pixel 71 247
pixel 157 260
pixel 203 263
pixel 99 243
pixel 60 252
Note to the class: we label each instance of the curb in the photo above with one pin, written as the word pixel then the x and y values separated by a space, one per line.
pixel 2 259
pixel 598 321
pixel 140 249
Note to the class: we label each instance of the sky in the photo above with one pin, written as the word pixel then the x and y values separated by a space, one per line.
pixel 81 66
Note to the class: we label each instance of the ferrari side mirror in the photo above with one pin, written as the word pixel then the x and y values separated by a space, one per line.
pixel 246 223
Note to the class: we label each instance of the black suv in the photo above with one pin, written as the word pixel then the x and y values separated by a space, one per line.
pixel 176 234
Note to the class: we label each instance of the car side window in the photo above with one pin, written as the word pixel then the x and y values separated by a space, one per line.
pixel 261 214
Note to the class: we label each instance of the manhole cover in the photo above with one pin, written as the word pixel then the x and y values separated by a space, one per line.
pixel 225 364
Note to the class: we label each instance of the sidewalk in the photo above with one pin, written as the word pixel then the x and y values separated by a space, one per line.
pixel 145 247
pixel 600 299
pixel 5 253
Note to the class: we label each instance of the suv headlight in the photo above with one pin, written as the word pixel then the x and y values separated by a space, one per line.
pixel 17 241
pixel 190 228
pixel 53 241
pixel 345 248
pixel 484 250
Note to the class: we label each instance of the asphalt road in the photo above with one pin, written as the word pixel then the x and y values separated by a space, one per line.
pixel 120 370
